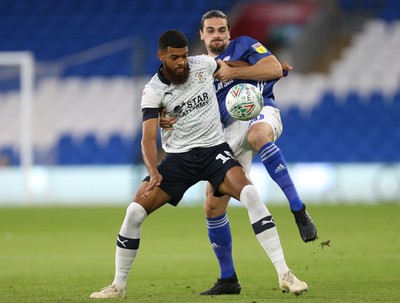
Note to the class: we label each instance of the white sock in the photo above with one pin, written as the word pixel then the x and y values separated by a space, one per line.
pixel 264 228
pixel 128 243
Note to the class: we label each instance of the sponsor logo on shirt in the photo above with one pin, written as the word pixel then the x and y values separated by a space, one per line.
pixel 184 108
pixel 259 48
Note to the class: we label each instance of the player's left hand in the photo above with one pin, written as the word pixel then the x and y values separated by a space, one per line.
pixel 286 68
pixel 166 122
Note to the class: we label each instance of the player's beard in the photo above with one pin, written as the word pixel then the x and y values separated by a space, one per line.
pixel 177 78
pixel 217 48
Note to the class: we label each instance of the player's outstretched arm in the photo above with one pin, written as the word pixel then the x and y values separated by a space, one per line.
pixel 237 63
pixel 286 67
pixel 267 69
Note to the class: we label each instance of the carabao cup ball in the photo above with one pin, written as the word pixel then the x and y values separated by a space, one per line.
pixel 244 101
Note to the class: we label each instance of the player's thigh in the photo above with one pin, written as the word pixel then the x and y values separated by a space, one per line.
pixel 266 127
pixel 234 181
pixel 214 206
pixel 156 198
pixel 245 158
pixel 236 136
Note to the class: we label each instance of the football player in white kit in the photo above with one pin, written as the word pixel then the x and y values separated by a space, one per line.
pixel 196 150
pixel 252 63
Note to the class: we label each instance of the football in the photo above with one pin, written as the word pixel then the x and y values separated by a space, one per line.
pixel 244 101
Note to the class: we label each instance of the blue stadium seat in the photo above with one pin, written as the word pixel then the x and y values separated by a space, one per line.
pixel 118 150
pixel 9 156
pixel 66 151
pixel 89 150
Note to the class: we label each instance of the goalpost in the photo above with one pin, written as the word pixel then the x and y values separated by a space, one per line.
pixel 24 60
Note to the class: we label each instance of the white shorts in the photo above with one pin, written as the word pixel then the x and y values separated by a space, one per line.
pixel 236 134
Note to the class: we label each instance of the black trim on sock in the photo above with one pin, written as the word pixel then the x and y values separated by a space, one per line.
pixel 263 224
pixel 127 243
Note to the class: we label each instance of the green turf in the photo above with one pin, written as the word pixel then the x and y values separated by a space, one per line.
pixel 63 254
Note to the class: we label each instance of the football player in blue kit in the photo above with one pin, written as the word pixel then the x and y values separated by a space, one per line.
pixel 244 137
pixel 245 59
pixel 195 150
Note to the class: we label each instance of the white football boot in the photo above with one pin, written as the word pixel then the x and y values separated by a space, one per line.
pixel 110 291
pixel 289 283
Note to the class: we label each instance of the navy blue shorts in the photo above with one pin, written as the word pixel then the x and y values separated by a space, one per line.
pixel 180 171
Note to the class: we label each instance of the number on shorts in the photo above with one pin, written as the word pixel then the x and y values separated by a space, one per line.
pixel 223 157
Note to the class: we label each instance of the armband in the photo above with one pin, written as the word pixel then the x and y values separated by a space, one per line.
pixel 149 113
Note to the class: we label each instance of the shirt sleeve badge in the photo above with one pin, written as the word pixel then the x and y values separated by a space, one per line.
pixel 259 48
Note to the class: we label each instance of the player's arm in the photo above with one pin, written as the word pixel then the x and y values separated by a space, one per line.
pixel 268 68
pixel 237 63
pixel 286 67
pixel 149 147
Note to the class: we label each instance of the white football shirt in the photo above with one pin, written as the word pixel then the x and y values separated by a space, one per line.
pixel 194 104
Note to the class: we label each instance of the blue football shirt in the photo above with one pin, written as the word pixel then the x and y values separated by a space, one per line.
pixel 249 50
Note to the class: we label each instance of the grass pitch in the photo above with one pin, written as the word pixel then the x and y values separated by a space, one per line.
pixel 64 254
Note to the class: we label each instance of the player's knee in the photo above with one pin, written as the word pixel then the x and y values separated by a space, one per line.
pixel 250 197
pixel 259 135
pixel 212 210
pixel 215 207
pixel 135 213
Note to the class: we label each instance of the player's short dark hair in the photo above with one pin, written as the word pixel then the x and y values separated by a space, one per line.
pixel 214 14
pixel 172 38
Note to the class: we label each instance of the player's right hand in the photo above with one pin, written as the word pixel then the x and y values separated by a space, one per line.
pixel 154 180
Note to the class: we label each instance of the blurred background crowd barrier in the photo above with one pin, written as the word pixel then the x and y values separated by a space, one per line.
pixel 72 72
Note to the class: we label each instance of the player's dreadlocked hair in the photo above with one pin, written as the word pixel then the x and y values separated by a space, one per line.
pixel 172 38
pixel 214 14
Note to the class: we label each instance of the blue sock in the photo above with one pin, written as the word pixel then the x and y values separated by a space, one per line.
pixel 273 160
pixel 220 237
